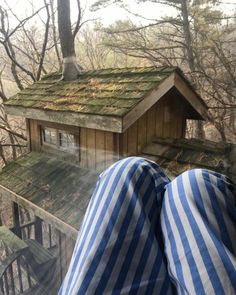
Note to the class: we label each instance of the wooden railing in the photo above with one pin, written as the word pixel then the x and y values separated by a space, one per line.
pixel 33 230
pixel 15 275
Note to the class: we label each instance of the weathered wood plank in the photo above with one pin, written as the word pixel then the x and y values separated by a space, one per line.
pixel 35 135
pixel 142 132
pixel 124 144
pixel 133 139
pixel 100 150
pixel 83 147
pixel 151 123
pixel 159 118
pixel 109 143
pixel 106 123
pixel 91 148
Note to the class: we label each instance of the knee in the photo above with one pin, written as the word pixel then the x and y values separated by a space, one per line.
pixel 136 173
pixel 200 186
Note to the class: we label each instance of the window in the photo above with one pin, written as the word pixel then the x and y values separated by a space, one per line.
pixel 66 140
pixel 50 136
pixel 59 139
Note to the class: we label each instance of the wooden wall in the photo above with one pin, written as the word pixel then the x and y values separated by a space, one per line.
pixel 165 119
pixel 98 149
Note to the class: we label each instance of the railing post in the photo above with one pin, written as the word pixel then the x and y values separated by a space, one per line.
pixel 16 219
pixel 39 230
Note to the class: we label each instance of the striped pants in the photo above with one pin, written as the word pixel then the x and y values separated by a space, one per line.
pixel 145 234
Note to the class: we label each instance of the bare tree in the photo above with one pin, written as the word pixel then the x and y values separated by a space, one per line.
pixel 22 66
pixel 71 69
pixel 195 40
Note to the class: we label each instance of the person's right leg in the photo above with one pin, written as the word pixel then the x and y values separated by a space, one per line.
pixel 198 221
pixel 119 247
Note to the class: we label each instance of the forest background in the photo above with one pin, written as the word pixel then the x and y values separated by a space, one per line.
pixel 199 36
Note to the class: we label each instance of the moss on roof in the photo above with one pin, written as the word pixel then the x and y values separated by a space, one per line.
pixel 102 92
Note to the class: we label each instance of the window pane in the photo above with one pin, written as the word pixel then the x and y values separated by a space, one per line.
pixel 50 136
pixel 67 140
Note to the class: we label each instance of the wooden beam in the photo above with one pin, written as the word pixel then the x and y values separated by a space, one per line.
pixel 16 219
pixel 148 102
pixel 43 214
pixel 106 123
pixel 191 96
pixel 38 230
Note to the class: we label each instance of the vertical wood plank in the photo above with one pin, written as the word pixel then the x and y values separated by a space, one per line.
pixel 151 124
pixel 16 219
pixel 167 119
pixel 159 118
pixel 142 132
pixel 132 139
pixel 109 143
pixel 35 135
pixel 70 244
pixel 28 133
pixel 62 254
pixel 38 230
pixel 100 150
pixel 91 148
pixel 116 139
pixel 83 147
pixel 181 122
pixel 124 144
pixel 19 274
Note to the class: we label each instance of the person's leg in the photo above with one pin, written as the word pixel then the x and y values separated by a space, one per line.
pixel 117 250
pixel 198 221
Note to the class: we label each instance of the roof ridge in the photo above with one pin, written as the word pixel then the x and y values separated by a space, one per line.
pixel 118 71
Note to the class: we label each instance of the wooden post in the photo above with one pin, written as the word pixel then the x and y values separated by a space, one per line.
pixel 39 230
pixel 16 219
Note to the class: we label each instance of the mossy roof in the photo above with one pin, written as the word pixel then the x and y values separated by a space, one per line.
pixel 101 92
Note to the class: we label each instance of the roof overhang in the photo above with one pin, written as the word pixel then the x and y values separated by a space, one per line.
pixel 106 123
pixel 116 123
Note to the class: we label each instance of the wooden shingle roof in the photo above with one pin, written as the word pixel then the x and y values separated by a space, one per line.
pixel 99 99
pixel 179 155
pixel 54 190
pixel 102 92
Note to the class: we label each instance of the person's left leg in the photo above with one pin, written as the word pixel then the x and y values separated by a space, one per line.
pixel 119 246
pixel 198 221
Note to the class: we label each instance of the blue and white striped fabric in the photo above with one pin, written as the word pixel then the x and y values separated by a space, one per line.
pixel 143 234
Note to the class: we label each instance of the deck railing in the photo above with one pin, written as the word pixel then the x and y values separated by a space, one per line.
pixel 15 275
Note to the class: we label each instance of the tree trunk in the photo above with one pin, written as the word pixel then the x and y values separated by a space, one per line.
pixel 71 69
pixel 198 130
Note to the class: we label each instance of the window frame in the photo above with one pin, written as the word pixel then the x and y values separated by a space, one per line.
pixel 58 130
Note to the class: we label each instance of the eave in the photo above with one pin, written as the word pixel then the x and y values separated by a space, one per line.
pixel 106 123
